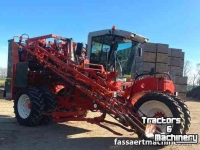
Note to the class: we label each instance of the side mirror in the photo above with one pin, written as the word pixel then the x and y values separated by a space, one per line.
pixel 140 52
pixel 79 48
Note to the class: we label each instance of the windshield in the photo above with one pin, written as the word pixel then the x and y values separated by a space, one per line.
pixel 105 47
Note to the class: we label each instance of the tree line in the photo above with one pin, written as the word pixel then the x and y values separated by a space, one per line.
pixel 193 77
pixel 3 73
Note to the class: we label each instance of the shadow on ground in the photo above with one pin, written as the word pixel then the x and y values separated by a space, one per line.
pixel 4 119
pixel 55 136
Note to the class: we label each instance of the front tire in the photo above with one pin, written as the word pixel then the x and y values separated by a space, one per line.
pixel 186 112
pixel 50 104
pixel 160 105
pixel 29 106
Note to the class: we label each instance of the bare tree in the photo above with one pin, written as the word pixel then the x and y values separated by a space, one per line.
pixel 198 81
pixel 194 79
pixel 196 75
pixel 3 73
pixel 186 68
pixel 198 71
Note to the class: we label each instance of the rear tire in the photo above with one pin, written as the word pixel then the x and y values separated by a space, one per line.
pixel 29 106
pixel 50 104
pixel 149 103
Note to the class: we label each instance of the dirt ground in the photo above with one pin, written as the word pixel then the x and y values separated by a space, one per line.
pixel 73 135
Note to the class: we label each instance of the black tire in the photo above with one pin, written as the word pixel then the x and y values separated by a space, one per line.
pixel 186 112
pixel 50 104
pixel 37 106
pixel 170 103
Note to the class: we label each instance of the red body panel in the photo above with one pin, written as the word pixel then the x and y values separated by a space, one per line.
pixel 154 84
pixel 150 84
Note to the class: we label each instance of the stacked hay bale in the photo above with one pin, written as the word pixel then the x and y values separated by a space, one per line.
pixel 163 59
pixel 154 56
pixel 175 67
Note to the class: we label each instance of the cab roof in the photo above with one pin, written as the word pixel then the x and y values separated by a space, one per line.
pixel 123 33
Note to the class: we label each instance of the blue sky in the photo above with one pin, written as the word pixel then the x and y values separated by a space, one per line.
pixel 174 22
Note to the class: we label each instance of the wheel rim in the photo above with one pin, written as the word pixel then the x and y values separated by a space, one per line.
pixel 155 108
pixel 24 106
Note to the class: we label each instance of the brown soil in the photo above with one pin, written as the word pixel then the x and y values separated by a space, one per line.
pixel 73 135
